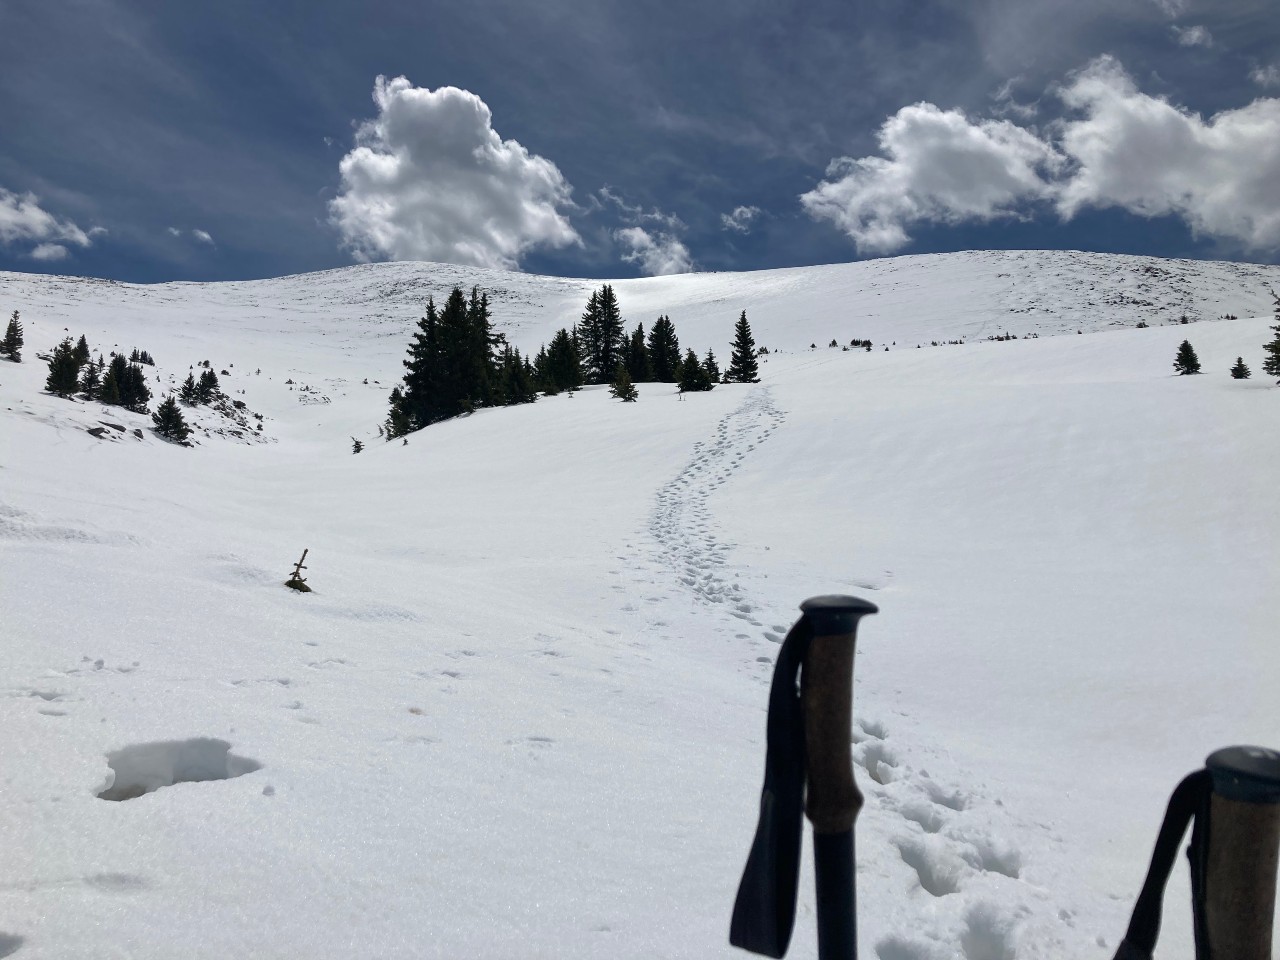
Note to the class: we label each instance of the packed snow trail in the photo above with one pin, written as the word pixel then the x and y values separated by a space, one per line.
pixel 681 522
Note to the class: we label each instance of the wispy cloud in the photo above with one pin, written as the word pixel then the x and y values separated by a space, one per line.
pixel 740 219
pixel 1173 8
pixel 24 222
pixel 1266 76
pixel 1197 36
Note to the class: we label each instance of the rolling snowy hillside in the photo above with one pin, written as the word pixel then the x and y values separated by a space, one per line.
pixel 522 714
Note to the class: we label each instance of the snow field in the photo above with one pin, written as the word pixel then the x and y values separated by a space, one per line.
pixel 523 712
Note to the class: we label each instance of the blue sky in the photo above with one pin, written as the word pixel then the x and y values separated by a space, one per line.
pixel 163 141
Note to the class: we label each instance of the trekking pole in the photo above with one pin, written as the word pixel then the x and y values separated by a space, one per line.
pixel 808 741
pixel 1235 843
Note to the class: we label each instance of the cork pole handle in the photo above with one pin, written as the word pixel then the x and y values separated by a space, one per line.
pixel 832 797
pixel 1242 855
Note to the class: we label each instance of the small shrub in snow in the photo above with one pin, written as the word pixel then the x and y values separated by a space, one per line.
pixel 1240 371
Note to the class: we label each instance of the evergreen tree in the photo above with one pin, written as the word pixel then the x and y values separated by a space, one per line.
pixel 91 380
pixel 622 388
pixel 418 405
pixel 64 372
pixel 540 377
pixel 613 337
pixel 664 351
pixel 590 339
pixel 602 340
pixel 208 388
pixel 711 367
pixel 1271 365
pixel 398 422
pixel 517 378
pixel 693 377
pixel 743 367
pixel 11 345
pixel 133 357
pixel 109 391
pixel 169 421
pixel 1186 362
pixel 638 366
pixel 134 392
pixel 356 445
pixel 563 364
pixel 482 355
pixel 1240 371
pixel 190 392
pixel 82 353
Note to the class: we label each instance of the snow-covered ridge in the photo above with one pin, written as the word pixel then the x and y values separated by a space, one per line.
pixel 969 295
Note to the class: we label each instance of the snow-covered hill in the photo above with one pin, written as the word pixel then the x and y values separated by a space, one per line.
pixel 522 714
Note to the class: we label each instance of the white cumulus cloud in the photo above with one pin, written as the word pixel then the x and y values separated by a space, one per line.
pixel 430 179
pixel 938 166
pixel 1147 156
pixel 740 219
pixel 658 254
pixel 23 221
pixel 203 236
pixel 1117 147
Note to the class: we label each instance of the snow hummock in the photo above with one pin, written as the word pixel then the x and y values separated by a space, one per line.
pixel 522 714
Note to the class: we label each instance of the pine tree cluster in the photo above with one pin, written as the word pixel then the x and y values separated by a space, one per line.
pixel 578 355
pixel 195 393
pixel 457 364
pixel 118 383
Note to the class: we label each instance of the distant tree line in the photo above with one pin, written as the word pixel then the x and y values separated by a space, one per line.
pixel 456 363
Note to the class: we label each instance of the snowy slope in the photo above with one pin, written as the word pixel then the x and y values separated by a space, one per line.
pixel 523 712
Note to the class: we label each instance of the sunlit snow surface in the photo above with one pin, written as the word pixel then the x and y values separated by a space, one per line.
pixel 522 714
